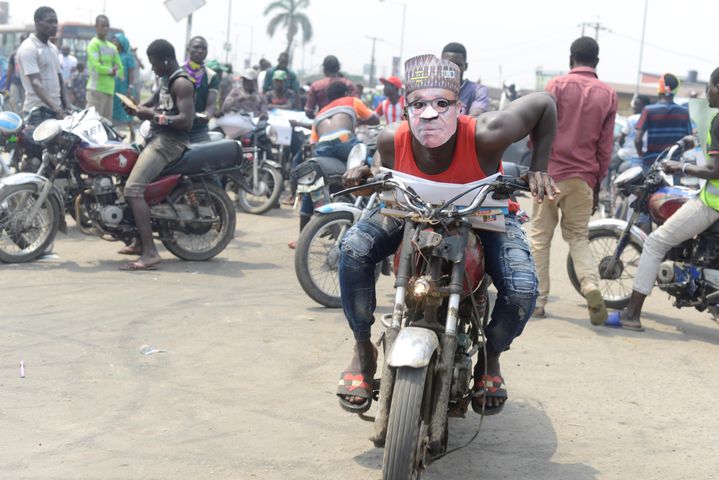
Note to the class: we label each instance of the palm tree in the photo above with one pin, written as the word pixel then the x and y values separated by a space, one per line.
pixel 291 18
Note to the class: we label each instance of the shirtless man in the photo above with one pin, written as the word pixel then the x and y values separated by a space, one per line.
pixel 333 133
pixel 437 143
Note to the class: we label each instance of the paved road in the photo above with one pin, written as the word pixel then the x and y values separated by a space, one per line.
pixel 245 388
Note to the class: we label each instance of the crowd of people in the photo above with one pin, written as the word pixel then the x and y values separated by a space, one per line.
pixel 439 127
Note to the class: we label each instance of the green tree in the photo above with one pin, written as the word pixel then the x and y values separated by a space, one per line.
pixel 290 17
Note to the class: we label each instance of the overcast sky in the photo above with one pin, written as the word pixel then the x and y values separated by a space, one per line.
pixel 505 40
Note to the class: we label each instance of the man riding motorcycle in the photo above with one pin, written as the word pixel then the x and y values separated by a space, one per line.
pixel 691 219
pixel 438 143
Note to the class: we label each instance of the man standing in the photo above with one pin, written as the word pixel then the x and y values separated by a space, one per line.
pixel 628 134
pixel 280 96
pixel 474 97
pixel 207 88
pixel 262 74
pixel 317 96
pixel 103 65
pixel 283 62
pixel 580 158
pixel 40 70
pixel 68 63
pixel 171 122
pixel 245 98
pixel 437 143
pixel 392 107
pixel 664 122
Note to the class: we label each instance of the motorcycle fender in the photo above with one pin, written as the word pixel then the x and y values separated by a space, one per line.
pixel 25 178
pixel 274 164
pixel 340 207
pixel 618 226
pixel 413 348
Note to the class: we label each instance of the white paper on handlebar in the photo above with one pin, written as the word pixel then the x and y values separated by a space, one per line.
pixel 489 217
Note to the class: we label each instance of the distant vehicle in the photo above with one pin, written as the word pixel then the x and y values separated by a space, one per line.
pixel 76 35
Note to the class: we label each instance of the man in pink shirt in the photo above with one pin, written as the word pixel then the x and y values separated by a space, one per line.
pixel 580 158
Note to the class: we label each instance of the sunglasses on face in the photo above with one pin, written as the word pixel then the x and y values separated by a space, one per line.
pixel 440 105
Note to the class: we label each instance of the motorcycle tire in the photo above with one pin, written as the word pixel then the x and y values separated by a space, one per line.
pixel 225 230
pixel 404 448
pixel 323 289
pixel 271 186
pixel 27 248
pixel 612 297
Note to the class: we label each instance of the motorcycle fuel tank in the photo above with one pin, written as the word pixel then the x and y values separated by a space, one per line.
pixel 667 200
pixel 111 157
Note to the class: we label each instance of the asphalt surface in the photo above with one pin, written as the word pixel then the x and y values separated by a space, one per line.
pixel 245 385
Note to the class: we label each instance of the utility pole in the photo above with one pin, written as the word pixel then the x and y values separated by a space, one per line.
pixel 596 26
pixel 228 47
pixel 371 65
pixel 641 50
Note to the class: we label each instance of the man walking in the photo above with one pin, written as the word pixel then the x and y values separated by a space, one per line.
pixel 579 160
pixel 474 97
pixel 40 70
pixel 103 65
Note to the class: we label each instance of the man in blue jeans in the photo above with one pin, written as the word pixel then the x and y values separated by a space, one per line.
pixel 333 133
pixel 437 143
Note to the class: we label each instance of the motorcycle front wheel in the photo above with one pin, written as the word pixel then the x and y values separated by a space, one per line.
pixel 21 242
pixel 317 257
pixel 407 433
pixel 614 283
pixel 264 194
pixel 209 233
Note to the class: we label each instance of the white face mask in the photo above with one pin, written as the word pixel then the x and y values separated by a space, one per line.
pixel 434 129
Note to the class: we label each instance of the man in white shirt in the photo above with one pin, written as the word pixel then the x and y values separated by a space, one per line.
pixel 40 67
pixel 68 63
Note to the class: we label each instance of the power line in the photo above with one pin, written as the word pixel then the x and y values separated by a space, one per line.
pixel 664 49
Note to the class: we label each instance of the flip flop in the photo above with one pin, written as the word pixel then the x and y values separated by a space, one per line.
pixel 614 320
pixel 489 386
pixel 137 266
pixel 353 384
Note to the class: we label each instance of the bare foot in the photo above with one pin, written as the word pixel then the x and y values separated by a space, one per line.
pixel 130 250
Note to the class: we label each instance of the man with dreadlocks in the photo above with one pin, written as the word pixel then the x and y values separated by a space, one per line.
pixel 438 143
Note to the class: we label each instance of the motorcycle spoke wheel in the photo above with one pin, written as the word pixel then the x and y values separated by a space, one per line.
pixel 264 194
pixel 202 240
pixel 20 242
pixel 317 257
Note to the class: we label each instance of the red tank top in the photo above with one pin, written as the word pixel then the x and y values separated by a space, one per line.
pixel 465 164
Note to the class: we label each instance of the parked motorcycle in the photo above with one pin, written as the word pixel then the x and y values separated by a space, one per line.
pixel 440 309
pixel 193 218
pixel 690 272
pixel 261 191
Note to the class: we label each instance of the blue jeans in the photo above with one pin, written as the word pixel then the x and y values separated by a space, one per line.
pixel 507 260
pixel 333 148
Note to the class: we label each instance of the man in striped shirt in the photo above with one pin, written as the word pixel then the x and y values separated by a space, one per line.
pixel 392 107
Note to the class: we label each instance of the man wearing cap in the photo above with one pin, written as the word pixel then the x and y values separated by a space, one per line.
pixel 392 107
pixel 280 96
pixel 291 82
pixel 438 143
pixel 664 122
pixel 474 97
pixel 207 88
pixel 245 97
pixel 317 96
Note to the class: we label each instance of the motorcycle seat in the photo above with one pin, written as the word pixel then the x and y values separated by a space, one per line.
pixel 206 157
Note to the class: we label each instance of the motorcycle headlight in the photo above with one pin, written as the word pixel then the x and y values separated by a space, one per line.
pixel 46 131
pixel 357 156
pixel 272 134
pixel 308 179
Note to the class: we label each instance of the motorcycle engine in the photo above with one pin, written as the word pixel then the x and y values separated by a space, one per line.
pixel 104 190
pixel 676 279
pixel 111 214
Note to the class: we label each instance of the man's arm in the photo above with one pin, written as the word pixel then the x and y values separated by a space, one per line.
pixel 641 130
pixel 213 94
pixel 383 157
pixel 605 144
pixel 480 103
pixel 534 115
pixel 64 94
pixel 311 102
pixel 119 67
pixel 42 94
pixel 184 92
pixel 709 171
pixel 229 102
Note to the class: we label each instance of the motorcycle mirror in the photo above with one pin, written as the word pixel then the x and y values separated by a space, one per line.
pixel 357 156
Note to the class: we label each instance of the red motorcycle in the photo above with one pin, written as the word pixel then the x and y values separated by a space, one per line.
pixel 191 214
